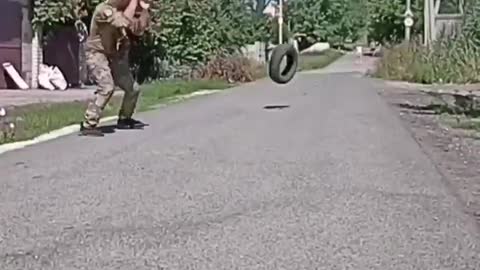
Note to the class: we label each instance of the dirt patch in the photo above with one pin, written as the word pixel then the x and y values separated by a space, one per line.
pixel 455 151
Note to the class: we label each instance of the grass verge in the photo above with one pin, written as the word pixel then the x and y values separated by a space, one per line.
pixel 448 61
pixel 469 124
pixel 36 119
pixel 311 61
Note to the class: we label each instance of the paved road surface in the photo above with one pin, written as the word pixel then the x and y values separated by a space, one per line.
pixel 333 182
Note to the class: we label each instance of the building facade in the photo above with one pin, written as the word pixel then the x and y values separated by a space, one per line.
pixel 15 39
pixel 24 49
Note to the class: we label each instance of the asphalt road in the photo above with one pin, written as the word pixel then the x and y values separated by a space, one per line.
pixel 332 182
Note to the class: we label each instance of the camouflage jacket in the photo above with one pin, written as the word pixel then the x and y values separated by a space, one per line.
pixel 110 29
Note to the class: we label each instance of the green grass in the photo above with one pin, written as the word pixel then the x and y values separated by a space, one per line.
pixel 462 122
pixel 319 60
pixel 36 119
pixel 472 125
pixel 156 93
pixel 469 124
pixel 448 61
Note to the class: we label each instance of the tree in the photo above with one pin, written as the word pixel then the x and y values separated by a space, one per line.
pixel 385 19
pixel 332 21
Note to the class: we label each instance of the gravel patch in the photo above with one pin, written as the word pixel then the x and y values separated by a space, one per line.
pixel 455 152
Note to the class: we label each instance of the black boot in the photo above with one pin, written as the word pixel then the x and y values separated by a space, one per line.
pixel 130 123
pixel 90 131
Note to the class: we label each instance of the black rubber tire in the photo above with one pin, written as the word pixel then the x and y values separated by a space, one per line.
pixel 275 72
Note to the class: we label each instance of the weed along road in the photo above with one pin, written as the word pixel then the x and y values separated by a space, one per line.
pixel 324 177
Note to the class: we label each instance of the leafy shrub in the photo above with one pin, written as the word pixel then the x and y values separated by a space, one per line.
pixel 187 33
pixel 331 21
pixel 230 68
pixel 449 61
pixel 385 19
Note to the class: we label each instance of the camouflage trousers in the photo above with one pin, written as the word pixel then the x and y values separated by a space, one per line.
pixel 108 72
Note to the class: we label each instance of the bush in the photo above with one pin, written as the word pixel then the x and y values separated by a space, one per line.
pixel 332 21
pixel 229 68
pixel 187 33
pixel 385 19
pixel 449 61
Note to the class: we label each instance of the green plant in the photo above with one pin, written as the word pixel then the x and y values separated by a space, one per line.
pixel 385 19
pixel 229 68
pixel 189 32
pixel 51 14
pixel 449 60
pixel 333 21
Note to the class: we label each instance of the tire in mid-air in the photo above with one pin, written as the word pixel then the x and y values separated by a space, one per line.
pixel 276 72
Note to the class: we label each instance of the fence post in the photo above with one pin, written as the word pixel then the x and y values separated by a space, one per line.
pixel 429 22
pixel 37 57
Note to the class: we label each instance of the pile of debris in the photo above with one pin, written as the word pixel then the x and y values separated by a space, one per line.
pixel 49 77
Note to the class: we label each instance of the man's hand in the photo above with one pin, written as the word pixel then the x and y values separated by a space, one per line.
pixel 141 21
pixel 144 5
pixel 130 10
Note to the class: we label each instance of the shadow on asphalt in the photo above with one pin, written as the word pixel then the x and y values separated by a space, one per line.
pixel 276 107
pixel 108 129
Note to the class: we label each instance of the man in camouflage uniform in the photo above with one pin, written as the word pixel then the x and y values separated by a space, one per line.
pixel 107 48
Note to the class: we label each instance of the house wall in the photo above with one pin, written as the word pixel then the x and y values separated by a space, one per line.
pixel 26 69
pixel 21 45
pixel 11 17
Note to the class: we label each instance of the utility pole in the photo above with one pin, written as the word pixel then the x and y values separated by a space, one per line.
pixel 408 22
pixel 429 22
pixel 280 22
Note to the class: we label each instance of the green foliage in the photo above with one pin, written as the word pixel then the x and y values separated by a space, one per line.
pixel 338 21
pixel 50 14
pixel 449 60
pixel 232 69
pixel 471 24
pixel 385 19
pixel 327 20
pixel 189 32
